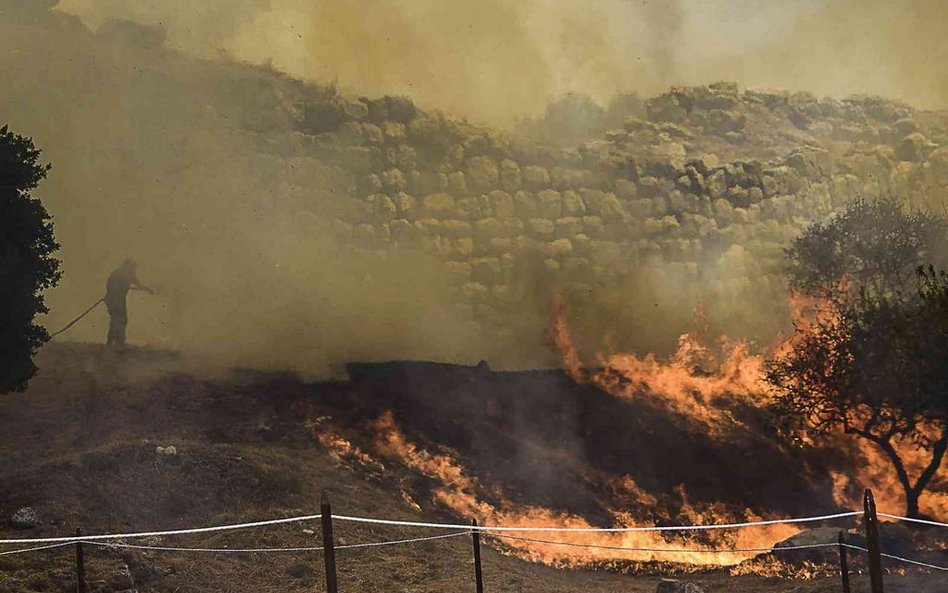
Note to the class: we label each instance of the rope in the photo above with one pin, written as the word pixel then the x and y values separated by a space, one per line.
pixel 899 558
pixel 91 538
pixel 274 550
pixel 910 520
pixel 77 319
pixel 35 549
pixel 597 529
pixel 483 528
pixel 664 550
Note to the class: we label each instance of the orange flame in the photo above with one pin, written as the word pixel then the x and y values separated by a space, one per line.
pixel 696 377
pixel 464 495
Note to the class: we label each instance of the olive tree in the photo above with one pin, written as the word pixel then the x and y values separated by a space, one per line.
pixel 27 264
pixel 874 361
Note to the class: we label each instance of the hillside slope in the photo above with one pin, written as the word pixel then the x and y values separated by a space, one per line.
pixel 80 448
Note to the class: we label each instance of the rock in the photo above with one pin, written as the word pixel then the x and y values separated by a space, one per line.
pixel 457 184
pixel 320 117
pixel 372 134
pixel 572 204
pixel 525 204
pixel 169 451
pixel 608 207
pixel 394 180
pixel 439 205
pixel 402 230
pixel 559 248
pixel 499 246
pixel 351 133
pixel 394 132
pixel 460 249
pixel 626 189
pixel 535 177
pixel 455 229
pixel 399 109
pixel 406 204
pixel 406 158
pixel 458 269
pixel 676 586
pixel 541 228
pixel 568 226
pixel 355 110
pixel 299 570
pixel 472 208
pixel 510 177
pixel 502 204
pixel 913 147
pixel 488 228
pixel 475 292
pixel 665 108
pixel 481 174
pixel 383 208
pixel 24 518
pixel 428 226
pixel 592 226
pixel 549 204
pixel 485 270
pixel 121 580
pixel 904 127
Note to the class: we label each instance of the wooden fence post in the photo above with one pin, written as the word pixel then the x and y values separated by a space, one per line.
pixel 476 542
pixel 843 563
pixel 872 542
pixel 329 551
pixel 80 565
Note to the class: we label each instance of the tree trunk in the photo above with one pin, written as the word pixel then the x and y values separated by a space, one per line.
pixel 913 492
pixel 911 502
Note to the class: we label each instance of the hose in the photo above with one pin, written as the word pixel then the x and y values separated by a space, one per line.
pixel 78 319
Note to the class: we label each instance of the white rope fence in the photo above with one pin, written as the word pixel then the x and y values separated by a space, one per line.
pixel 918 521
pixel 899 558
pixel 91 538
pixel 277 550
pixel 397 523
pixel 33 549
pixel 486 528
pixel 663 550
pixel 106 540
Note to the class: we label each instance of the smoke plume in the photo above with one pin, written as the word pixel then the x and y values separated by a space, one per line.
pixel 497 60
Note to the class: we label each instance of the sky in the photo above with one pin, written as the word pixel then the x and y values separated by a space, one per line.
pixel 497 60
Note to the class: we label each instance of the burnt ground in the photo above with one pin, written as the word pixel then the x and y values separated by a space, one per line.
pixel 80 448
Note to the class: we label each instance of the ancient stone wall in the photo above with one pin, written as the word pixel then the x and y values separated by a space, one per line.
pixel 655 194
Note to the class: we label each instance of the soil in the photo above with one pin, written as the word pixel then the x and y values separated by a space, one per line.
pixel 80 447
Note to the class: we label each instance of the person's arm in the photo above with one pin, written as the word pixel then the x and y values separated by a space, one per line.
pixel 137 285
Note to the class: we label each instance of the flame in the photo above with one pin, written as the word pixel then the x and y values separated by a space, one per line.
pixel 562 338
pixel 468 497
pixel 697 379
pixel 690 382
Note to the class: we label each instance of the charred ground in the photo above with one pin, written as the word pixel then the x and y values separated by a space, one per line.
pixel 76 450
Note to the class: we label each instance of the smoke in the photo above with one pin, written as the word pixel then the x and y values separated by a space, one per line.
pixel 152 160
pixel 497 60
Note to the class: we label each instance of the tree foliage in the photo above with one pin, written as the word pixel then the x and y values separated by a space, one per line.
pixel 27 264
pixel 874 363
pixel 872 246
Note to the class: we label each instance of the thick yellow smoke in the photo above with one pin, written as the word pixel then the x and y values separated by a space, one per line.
pixel 495 60
pixel 152 160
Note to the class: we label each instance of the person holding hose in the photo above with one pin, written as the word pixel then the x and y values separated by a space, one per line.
pixel 121 280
